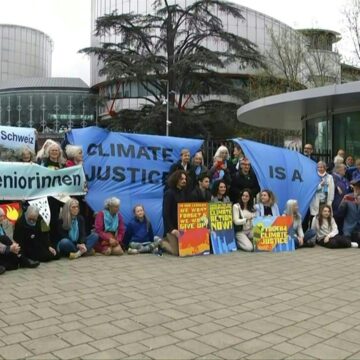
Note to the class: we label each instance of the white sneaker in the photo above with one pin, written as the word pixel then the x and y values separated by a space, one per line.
pixel 354 244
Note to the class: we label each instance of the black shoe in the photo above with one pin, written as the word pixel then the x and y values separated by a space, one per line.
pixel 25 262
pixel 2 269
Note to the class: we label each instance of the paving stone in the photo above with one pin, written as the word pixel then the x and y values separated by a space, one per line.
pixel 15 351
pixel 196 347
pixel 104 344
pixel 132 337
pixel 287 348
pixel 75 351
pixel 111 354
pixel 267 354
pixel 323 351
pixel 168 352
pixel 219 340
pixel 159 341
pixel 75 337
pixel 253 346
pixel 43 331
pixel 45 344
pixel 102 331
pixel 229 353
pixel 133 349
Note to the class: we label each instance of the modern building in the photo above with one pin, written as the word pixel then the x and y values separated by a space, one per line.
pixel 24 52
pixel 328 117
pixel 256 27
pixel 50 105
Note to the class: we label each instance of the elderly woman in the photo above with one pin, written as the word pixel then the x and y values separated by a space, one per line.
pixel 35 244
pixel 197 168
pixel 41 153
pixel 53 158
pixel 296 232
pixel 109 225
pixel 73 241
pixel 74 155
pixel 26 155
pixel 325 190
pixel 11 257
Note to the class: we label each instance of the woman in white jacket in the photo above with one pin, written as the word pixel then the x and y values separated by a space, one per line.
pixel 243 213
pixel 325 190
pixel 327 233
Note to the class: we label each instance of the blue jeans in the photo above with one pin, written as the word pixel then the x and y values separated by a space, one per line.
pixel 66 246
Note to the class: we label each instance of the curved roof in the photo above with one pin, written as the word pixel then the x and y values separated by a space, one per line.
pixel 44 83
pixel 336 36
pixel 29 28
pixel 285 111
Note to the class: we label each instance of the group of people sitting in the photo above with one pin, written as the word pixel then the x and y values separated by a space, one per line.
pixel 75 231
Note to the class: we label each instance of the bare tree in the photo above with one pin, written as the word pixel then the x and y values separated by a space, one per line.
pixel 303 58
pixel 285 57
pixel 351 12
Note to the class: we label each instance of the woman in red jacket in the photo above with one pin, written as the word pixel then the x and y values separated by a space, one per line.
pixel 109 225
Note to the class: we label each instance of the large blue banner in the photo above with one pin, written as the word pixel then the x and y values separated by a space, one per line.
pixel 131 167
pixel 289 174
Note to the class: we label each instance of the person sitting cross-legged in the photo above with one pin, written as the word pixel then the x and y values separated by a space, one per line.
pixel 109 225
pixel 34 242
pixel 11 256
pixel 139 235
pixel 73 241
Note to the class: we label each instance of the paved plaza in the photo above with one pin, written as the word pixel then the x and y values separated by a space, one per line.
pixel 300 305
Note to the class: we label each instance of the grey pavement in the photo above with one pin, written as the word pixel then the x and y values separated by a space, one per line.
pixel 300 305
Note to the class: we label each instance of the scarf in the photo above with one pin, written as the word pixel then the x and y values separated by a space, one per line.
pixel 2 232
pixel 74 230
pixel 323 190
pixel 111 222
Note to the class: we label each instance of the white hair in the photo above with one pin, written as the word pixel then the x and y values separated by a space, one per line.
pixel 31 210
pixel 220 150
pixel 72 150
pixel 338 160
pixel 113 201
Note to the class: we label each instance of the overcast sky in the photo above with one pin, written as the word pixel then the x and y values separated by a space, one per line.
pixel 67 22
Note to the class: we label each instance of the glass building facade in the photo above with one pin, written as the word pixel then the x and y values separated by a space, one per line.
pixel 331 132
pixel 50 105
pixel 24 52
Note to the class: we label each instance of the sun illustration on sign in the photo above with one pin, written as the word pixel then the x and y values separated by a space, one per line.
pixel 12 213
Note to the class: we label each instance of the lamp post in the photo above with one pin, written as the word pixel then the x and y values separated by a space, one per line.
pixel 168 122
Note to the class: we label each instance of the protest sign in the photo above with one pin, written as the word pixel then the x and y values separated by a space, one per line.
pixel 194 235
pixel 132 167
pixel 12 211
pixel 289 174
pixel 24 181
pixel 17 137
pixel 221 227
pixel 42 205
pixel 271 233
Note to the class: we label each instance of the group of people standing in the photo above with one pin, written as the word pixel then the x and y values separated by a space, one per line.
pixel 333 219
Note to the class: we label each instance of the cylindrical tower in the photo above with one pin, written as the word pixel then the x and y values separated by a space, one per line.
pixel 24 52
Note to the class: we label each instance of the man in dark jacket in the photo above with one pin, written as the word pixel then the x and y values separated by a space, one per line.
pixel 201 193
pixel 244 179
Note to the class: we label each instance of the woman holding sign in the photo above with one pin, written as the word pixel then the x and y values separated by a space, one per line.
pixel 53 158
pixel 243 213
pixel 296 231
pixel 219 192
pixel 267 205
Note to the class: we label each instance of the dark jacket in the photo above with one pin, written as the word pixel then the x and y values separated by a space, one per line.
pixel 62 233
pixel 198 196
pixel 33 241
pixel 240 182
pixel 178 166
pixel 172 198
pixel 342 187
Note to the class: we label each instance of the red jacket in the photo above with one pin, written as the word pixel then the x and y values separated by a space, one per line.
pixel 104 236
